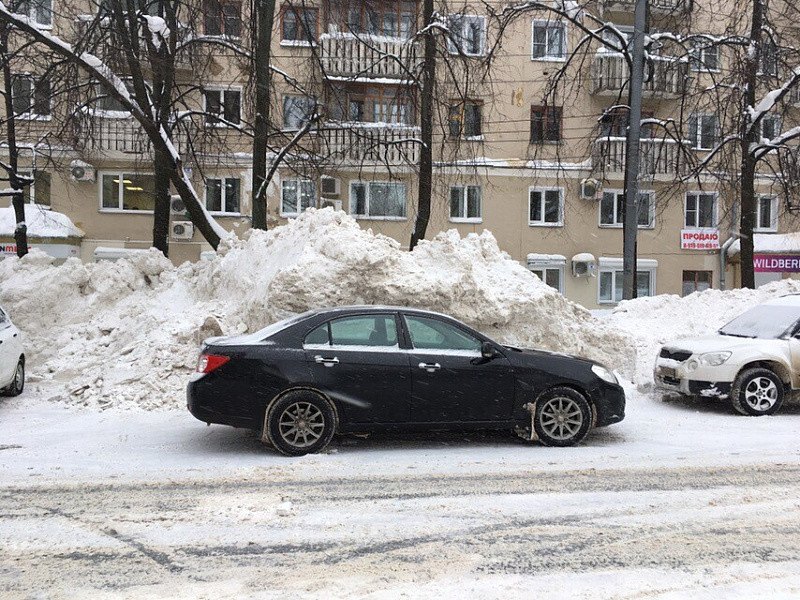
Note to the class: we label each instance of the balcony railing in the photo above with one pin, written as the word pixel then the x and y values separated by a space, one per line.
pixel 656 6
pixel 117 136
pixel 347 55
pixel 666 78
pixel 658 157
pixel 377 143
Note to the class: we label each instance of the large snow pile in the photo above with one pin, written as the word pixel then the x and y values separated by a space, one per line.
pixel 41 223
pixel 127 333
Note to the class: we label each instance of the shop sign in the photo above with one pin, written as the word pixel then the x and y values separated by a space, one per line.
pixel 699 239
pixel 776 263
pixel 54 250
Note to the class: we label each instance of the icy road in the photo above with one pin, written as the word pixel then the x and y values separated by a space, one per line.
pixel 681 500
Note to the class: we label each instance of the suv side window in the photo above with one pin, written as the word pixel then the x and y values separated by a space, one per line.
pixel 433 334
pixel 364 330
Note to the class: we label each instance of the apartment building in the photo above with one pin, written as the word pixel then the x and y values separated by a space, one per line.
pixel 543 171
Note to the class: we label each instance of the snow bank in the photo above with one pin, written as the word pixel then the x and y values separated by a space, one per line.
pixel 41 223
pixel 127 333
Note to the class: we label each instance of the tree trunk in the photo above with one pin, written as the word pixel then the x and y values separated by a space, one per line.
pixel 426 131
pixel 264 11
pixel 161 207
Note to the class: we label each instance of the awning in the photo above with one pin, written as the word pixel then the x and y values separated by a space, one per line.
pixel 771 243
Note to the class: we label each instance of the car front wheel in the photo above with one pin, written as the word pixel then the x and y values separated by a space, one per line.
pixel 299 423
pixel 562 418
pixel 757 392
pixel 16 387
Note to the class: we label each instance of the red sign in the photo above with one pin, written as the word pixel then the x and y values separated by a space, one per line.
pixel 776 263
pixel 699 239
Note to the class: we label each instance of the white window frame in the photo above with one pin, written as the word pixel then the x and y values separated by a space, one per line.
pixel 542 190
pixel 224 200
pixel 697 58
pixel 452 48
pixel 615 267
pixel 617 193
pixel 222 122
pixel 119 210
pixel 686 206
pixel 299 182
pixel 550 263
pixel 696 135
pixel 367 216
pixel 549 24
pixel 773 226
pixel 776 119
pixel 32 115
pixel 464 198
pixel 284 126
pixel 31 15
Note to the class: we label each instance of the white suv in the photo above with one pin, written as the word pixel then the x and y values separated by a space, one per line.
pixel 12 358
pixel 754 360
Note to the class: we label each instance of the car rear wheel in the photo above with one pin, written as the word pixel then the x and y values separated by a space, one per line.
pixel 757 392
pixel 16 387
pixel 300 422
pixel 562 417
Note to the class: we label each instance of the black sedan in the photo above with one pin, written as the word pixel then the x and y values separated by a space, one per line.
pixel 360 369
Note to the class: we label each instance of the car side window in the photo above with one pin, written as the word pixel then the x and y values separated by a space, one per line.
pixel 433 334
pixel 364 330
pixel 4 320
pixel 318 336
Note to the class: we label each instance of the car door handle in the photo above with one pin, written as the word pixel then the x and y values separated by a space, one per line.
pixel 430 367
pixel 328 362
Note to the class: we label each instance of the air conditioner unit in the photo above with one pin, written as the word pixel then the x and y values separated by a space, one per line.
pixel 176 206
pixel 334 204
pixel 182 230
pixel 583 265
pixel 81 171
pixel 590 189
pixel 331 186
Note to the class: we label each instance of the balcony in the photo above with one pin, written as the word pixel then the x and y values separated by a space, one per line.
pixel 117 138
pixel 610 75
pixel 374 143
pixel 660 158
pixel 663 7
pixel 344 55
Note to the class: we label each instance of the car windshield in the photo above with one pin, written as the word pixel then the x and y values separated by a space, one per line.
pixel 765 321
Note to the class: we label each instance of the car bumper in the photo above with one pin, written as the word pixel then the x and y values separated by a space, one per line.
pixel 205 404
pixel 609 401
pixel 671 381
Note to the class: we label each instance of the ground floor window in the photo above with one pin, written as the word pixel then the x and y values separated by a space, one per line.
pixel 297 195
pixel 465 203
pixel 696 281
pixel 127 191
pixel 552 276
pixel 39 192
pixel 378 199
pixel 611 277
pixel 223 195
pixel 550 268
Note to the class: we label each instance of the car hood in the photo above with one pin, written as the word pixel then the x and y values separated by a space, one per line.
pixel 716 342
pixel 539 353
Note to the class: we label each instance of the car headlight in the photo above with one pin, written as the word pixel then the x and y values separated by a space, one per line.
pixel 604 374
pixel 714 359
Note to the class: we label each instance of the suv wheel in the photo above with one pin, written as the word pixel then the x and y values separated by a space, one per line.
pixel 562 417
pixel 757 392
pixel 299 423
pixel 16 387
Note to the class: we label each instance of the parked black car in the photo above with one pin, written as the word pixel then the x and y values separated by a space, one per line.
pixel 359 369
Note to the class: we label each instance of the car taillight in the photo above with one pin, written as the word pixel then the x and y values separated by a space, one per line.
pixel 208 362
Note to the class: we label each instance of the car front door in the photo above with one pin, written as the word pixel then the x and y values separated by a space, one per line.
pixel 358 361
pixel 8 362
pixel 452 383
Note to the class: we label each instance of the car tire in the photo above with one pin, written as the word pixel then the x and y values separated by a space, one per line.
pixel 300 422
pixel 757 392
pixel 16 387
pixel 562 417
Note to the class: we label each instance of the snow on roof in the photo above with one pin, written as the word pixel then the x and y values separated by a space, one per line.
pixel 770 242
pixel 788 300
pixel 42 223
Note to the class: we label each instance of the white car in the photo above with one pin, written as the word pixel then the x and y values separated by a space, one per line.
pixel 12 358
pixel 754 360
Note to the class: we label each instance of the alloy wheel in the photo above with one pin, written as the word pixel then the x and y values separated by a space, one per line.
pixel 301 424
pixel 561 418
pixel 761 394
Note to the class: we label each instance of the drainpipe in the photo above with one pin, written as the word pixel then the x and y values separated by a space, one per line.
pixel 723 259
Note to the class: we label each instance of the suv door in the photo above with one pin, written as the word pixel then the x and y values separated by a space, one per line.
pixel 451 381
pixel 357 360
pixel 8 358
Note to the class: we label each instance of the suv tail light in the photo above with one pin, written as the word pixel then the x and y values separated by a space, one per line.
pixel 208 362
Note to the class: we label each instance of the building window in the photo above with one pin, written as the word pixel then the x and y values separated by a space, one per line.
pixel 612 204
pixel 545 124
pixel 106 103
pixel 297 111
pixel 41 11
pixel 389 19
pixel 223 18
pixel 770 126
pixel 614 123
pixel 127 191
pixel 696 281
pixel 465 119
pixel 224 195
pixel 611 279
pixel 39 192
pixel 297 195
pixel 380 105
pixel 613 39
pixel 549 268
pixel 378 199
pixel 467 34
pixel 546 207
pixel 769 58
pixel 549 41
pixel 703 131
pixel 704 56
pixel 465 203
pixel 223 107
pixel 700 210
pixel 299 25
pixel 767 214
pixel 30 96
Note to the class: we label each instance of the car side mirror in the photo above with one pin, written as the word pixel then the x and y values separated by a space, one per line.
pixel 488 351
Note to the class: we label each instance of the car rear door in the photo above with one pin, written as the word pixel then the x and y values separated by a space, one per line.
pixel 452 383
pixel 357 360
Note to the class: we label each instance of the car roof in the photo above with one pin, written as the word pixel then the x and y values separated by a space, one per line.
pixel 360 308
pixel 788 300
